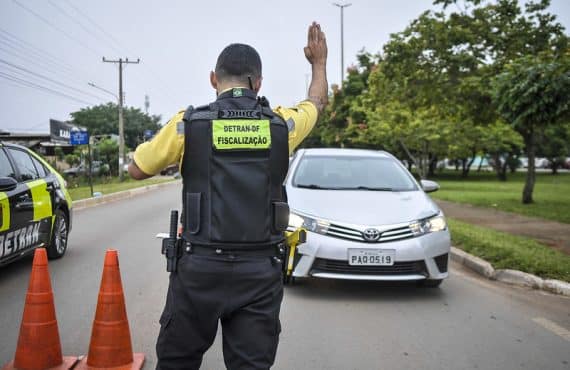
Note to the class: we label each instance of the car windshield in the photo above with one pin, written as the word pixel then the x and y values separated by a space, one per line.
pixel 352 173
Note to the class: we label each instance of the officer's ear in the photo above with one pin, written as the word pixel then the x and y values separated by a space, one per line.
pixel 214 80
pixel 257 84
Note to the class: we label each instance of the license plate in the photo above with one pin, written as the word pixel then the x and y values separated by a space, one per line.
pixel 371 257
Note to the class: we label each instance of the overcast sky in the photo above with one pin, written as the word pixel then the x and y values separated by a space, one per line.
pixel 178 43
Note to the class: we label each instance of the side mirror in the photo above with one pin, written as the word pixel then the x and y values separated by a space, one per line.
pixel 7 183
pixel 429 186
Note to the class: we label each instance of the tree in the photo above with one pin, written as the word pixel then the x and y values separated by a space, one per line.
pixel 554 144
pixel 532 95
pixel 429 94
pixel 103 120
pixel 59 153
pixel 72 159
pixel 421 74
pixel 503 144
pixel 337 124
pixel 108 152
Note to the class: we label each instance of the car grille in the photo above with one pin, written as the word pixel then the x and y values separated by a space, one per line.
pixel 343 232
pixel 342 267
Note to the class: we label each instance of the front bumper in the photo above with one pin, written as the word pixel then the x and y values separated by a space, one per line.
pixel 418 258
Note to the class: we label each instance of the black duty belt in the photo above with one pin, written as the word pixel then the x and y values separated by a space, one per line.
pixel 215 251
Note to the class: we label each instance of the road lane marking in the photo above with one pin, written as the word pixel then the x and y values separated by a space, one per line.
pixel 553 327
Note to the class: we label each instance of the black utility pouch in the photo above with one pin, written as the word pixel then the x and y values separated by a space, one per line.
pixel 192 215
pixel 280 216
pixel 240 198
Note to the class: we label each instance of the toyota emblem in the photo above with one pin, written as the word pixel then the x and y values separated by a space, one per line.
pixel 371 235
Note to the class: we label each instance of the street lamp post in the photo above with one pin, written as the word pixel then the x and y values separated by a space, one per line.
pixel 342 6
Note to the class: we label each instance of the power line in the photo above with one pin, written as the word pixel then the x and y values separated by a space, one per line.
pixel 41 88
pixel 48 79
pixel 90 20
pixel 38 54
pixel 38 61
pixel 77 22
pixel 10 37
pixel 162 85
pixel 55 69
pixel 34 80
pixel 55 27
pixel 31 80
pixel 23 57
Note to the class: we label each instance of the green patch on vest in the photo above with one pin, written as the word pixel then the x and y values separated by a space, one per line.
pixel 237 93
pixel 241 134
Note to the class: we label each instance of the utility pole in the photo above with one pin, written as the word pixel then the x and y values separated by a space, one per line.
pixel 342 6
pixel 146 103
pixel 121 61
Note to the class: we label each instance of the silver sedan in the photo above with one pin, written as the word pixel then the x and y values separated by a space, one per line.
pixel 367 218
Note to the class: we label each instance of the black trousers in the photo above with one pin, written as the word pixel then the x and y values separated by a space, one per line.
pixel 244 293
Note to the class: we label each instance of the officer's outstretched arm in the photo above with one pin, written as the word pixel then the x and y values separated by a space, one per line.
pixel 136 173
pixel 316 53
pixel 164 149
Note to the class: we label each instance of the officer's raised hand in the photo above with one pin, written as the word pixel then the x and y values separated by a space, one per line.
pixel 316 53
pixel 316 49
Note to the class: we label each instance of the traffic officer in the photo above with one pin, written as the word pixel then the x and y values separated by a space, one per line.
pixel 233 156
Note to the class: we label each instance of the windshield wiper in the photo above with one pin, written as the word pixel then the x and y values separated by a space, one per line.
pixel 311 186
pixel 362 187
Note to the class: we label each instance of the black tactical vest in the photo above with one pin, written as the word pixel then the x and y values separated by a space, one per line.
pixel 236 156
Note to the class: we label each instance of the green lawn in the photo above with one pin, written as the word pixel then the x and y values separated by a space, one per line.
pixel 506 251
pixel 82 191
pixel 551 193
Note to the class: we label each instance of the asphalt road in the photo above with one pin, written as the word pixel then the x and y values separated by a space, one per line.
pixel 468 323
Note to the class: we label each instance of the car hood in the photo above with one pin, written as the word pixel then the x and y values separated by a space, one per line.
pixel 362 207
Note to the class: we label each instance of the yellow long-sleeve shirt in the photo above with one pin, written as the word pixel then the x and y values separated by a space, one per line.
pixel 167 147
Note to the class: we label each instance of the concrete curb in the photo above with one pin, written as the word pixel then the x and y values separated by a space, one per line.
pixel 120 195
pixel 508 276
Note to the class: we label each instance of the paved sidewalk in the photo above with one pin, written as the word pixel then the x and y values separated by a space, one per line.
pixel 552 233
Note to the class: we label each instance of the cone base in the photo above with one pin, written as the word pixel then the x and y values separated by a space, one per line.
pixel 68 362
pixel 138 361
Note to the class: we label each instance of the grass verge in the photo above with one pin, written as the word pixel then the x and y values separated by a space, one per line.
pixel 82 191
pixel 506 251
pixel 551 200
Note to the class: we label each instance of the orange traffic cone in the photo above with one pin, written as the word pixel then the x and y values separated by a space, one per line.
pixel 38 344
pixel 110 345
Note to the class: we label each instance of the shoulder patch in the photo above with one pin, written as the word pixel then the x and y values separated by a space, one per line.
pixel 290 124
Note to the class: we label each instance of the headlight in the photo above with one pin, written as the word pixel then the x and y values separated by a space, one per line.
pixel 311 224
pixel 295 221
pixel 428 225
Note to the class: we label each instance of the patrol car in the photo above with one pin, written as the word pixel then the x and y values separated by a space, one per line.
pixel 35 206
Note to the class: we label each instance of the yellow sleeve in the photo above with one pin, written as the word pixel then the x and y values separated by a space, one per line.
pixel 300 120
pixel 164 149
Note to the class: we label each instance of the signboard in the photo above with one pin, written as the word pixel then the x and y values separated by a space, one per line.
pixel 60 132
pixel 79 138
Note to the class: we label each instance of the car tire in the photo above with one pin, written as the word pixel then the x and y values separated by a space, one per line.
pixel 58 244
pixel 430 283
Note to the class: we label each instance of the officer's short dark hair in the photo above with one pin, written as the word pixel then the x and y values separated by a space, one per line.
pixel 238 61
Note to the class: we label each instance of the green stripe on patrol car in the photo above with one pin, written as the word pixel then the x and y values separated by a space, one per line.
pixel 5 212
pixel 241 134
pixel 41 198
